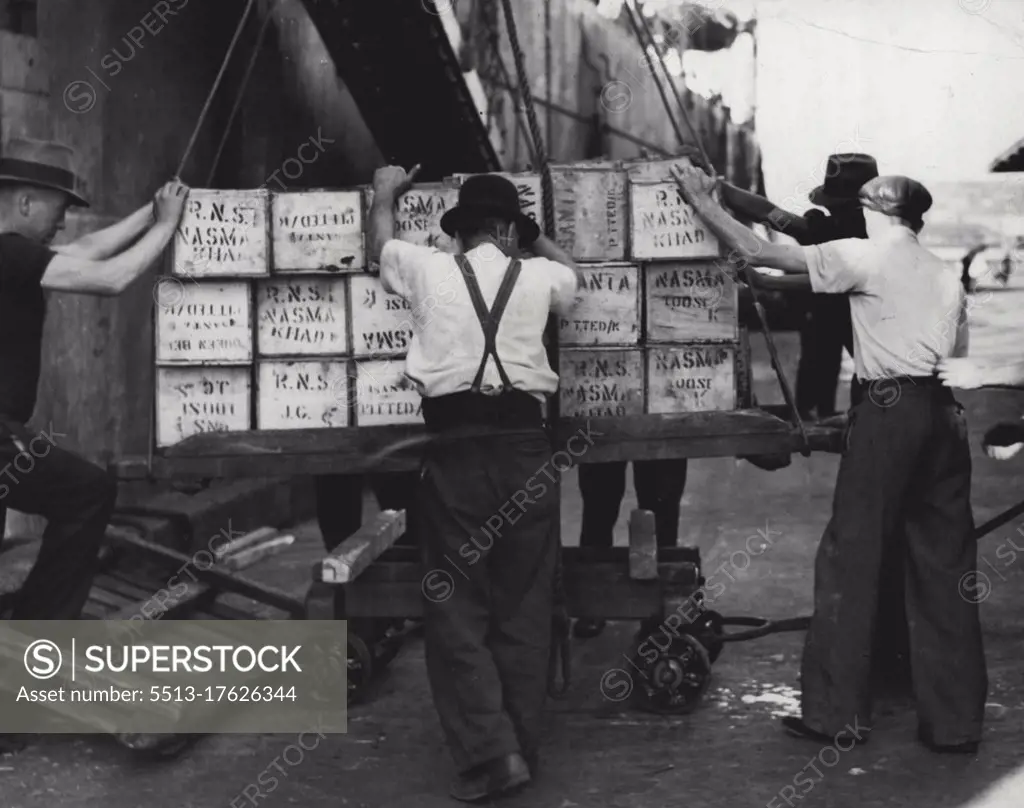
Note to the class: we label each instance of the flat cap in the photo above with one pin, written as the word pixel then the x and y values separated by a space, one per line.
pixel 896 196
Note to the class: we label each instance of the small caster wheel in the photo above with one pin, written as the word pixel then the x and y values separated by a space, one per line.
pixel 672 681
pixel 360 668
pixel 153 746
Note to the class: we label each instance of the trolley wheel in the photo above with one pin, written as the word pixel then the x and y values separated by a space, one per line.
pixel 360 668
pixel 674 681
pixel 388 646
pixel 153 746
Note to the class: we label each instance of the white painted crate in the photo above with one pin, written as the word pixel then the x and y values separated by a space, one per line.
pixel 690 378
pixel 303 394
pixel 591 220
pixel 600 382
pixel 302 316
pixel 381 322
pixel 607 311
pixel 690 302
pixel 384 396
pixel 208 322
pixel 418 214
pixel 192 400
pixel 318 231
pixel 222 234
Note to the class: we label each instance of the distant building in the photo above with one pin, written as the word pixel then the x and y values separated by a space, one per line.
pixel 1010 160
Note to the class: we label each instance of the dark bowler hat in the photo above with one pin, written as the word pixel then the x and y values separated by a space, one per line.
pixel 42 163
pixel 896 196
pixel 489 195
pixel 844 176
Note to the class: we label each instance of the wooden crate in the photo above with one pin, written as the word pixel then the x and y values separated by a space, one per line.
pixel 303 394
pixel 383 396
pixel 205 322
pixel 607 311
pixel 590 210
pixel 418 214
pixel 530 193
pixel 690 302
pixel 663 226
pixel 690 378
pixel 318 231
pixel 600 382
pixel 223 234
pixel 381 322
pixel 191 400
pixel 302 316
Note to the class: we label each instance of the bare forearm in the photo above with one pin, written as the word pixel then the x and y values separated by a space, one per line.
pixel 760 210
pixel 111 240
pixel 129 265
pixel 382 223
pixel 546 248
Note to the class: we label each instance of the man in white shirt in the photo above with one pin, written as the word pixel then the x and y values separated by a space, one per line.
pixel 487 513
pixel 904 478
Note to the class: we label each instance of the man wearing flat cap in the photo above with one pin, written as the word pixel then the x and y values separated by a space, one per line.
pixel 480 364
pixel 904 478
pixel 37 186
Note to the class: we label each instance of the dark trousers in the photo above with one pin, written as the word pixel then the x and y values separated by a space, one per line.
pixel 904 486
pixel 659 488
pixel 826 331
pixel 339 502
pixel 77 499
pixel 488 518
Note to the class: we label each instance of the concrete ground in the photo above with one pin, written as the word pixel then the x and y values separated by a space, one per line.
pixel 729 752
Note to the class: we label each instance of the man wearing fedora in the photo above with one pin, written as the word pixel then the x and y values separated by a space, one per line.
pixel 480 363
pixel 827 330
pixel 37 186
pixel 904 478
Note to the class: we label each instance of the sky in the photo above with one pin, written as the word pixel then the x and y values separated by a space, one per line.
pixel 934 89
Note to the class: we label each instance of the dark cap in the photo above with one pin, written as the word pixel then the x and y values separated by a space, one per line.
pixel 489 195
pixel 896 196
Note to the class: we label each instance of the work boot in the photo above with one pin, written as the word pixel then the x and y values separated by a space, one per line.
pixel 495 778
pixel 587 628
pixel 965 748
pixel 798 729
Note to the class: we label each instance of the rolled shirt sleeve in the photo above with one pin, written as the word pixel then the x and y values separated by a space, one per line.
pixel 839 267
pixel 399 260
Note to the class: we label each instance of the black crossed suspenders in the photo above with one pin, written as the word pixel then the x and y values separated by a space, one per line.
pixel 489 320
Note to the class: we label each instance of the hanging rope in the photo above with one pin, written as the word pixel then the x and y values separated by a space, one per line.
pixel 260 38
pixel 213 90
pixel 531 117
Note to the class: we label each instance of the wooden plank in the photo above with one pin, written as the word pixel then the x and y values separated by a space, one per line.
pixel 383 396
pixel 362 548
pixel 223 234
pixel 229 582
pixel 690 378
pixel 690 302
pixel 253 555
pixel 607 311
pixel 179 603
pixel 601 382
pixel 242 542
pixel 418 214
pixel 590 211
pixel 317 231
pixel 381 322
pixel 194 400
pixel 302 316
pixel 207 322
pixel 643 546
pixel 302 394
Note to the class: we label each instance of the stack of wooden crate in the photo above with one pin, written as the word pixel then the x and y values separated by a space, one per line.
pixel 270 320
pixel 656 332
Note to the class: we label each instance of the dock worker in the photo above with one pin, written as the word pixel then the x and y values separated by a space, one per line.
pixel 904 477
pixel 659 488
pixel 826 331
pixel 75 496
pixel 482 369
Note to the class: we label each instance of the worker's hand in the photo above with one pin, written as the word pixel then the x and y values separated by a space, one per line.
pixel 693 183
pixel 169 202
pixel 963 374
pixel 1003 441
pixel 394 180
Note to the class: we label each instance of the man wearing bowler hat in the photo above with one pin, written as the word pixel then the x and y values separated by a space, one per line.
pixel 826 331
pixel 904 478
pixel 480 364
pixel 37 186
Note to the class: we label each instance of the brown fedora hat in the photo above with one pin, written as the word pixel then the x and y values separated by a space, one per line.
pixel 844 176
pixel 41 163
